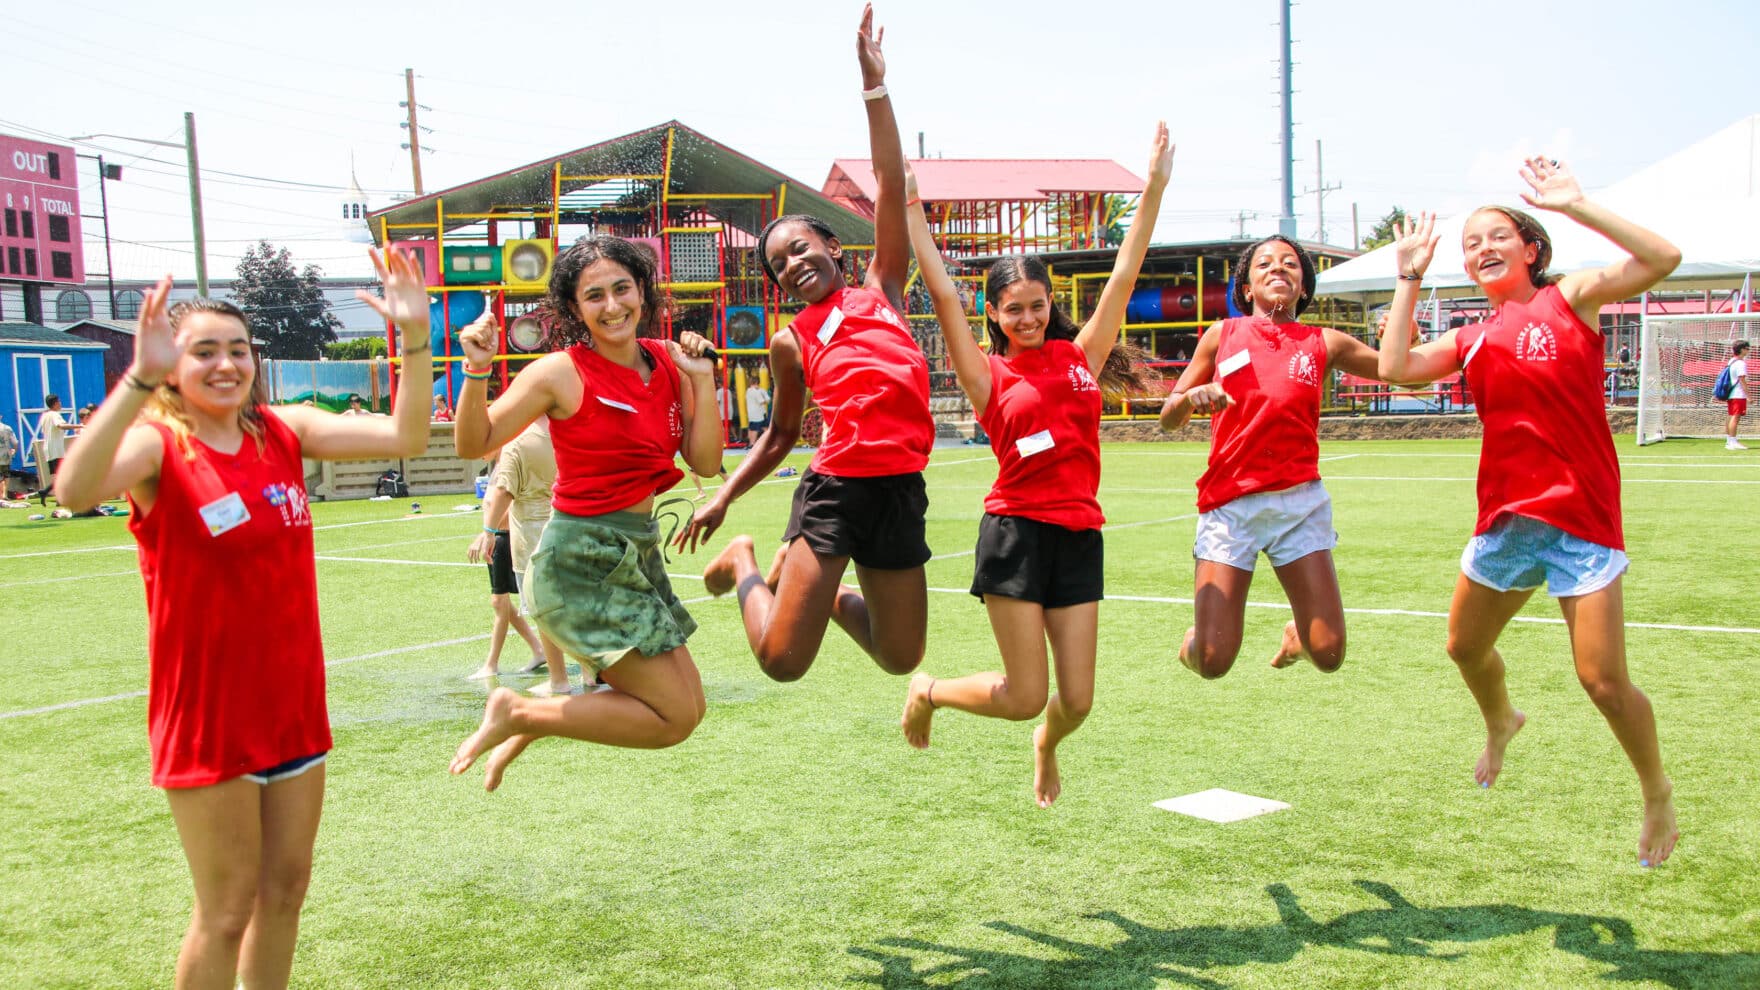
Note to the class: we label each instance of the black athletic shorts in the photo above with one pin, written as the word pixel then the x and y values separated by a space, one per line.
pixel 1039 562
pixel 877 522
pixel 501 580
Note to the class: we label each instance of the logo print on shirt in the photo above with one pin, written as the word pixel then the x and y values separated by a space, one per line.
pixel 291 502
pixel 886 313
pixel 675 422
pixel 1536 343
pixel 1303 370
pixel 1080 380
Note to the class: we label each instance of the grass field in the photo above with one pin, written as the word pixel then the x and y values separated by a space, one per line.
pixel 796 841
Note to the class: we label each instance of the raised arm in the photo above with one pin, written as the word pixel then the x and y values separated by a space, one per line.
pixel 1195 392
pixel 1100 333
pixel 111 458
pixel 787 407
pixel 328 437
pixel 1414 245
pixel 970 365
pixel 478 427
pixel 1650 257
pixel 892 252
pixel 703 431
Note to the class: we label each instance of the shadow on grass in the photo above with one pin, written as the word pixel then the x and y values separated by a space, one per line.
pixel 1149 956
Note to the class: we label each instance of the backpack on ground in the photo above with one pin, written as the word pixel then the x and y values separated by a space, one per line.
pixel 391 483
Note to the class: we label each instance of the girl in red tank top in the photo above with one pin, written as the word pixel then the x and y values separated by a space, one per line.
pixel 235 699
pixel 1260 378
pixel 862 498
pixel 622 408
pixel 1548 476
pixel 1040 559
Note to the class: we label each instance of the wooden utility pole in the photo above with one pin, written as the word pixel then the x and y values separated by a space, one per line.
pixel 1320 192
pixel 415 141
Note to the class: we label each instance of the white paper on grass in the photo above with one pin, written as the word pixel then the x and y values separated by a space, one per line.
pixel 1220 805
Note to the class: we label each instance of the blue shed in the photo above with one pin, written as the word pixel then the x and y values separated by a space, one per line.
pixel 36 361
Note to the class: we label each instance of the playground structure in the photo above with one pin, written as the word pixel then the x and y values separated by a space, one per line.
pixel 697 204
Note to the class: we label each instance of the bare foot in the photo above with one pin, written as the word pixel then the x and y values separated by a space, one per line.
pixel 497 726
pixel 500 757
pixel 1658 835
pixel 1186 645
pixel 774 575
pixel 1496 740
pixel 719 577
pixel 1047 783
pixel 919 709
pixel 487 672
pixel 1290 650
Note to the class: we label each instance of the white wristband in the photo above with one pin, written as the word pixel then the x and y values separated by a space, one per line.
pixel 878 92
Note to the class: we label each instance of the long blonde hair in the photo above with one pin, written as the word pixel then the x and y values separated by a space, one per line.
pixel 165 405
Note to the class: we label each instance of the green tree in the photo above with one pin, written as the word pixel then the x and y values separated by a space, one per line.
pixel 287 308
pixel 358 349
pixel 1382 232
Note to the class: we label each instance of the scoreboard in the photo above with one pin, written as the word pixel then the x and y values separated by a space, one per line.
pixel 39 191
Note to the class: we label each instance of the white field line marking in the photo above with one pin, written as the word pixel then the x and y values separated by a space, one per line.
pixel 1623 481
pixel 1339 457
pixel 131 546
pixel 386 560
pixel 76 577
pixel 394 651
pixel 401 543
pixel 795 478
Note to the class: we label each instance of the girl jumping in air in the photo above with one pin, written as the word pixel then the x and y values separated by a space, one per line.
pixel 1549 496
pixel 1040 561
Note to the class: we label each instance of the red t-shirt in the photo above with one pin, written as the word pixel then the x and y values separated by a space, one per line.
pixel 1535 370
pixel 236 664
pixel 619 446
pixel 871 383
pixel 1268 440
pixel 1043 419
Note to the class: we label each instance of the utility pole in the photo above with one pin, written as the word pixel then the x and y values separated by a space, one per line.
pixel 1320 192
pixel 1286 223
pixel 1242 217
pixel 1356 232
pixel 195 203
pixel 415 141
pixel 920 154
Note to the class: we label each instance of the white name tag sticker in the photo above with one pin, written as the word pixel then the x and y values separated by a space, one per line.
pixel 1473 350
pixel 832 322
pixel 613 403
pixel 1233 363
pixel 225 513
pixel 1037 443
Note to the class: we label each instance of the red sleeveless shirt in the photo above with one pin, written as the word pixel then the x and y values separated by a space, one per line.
pixel 870 382
pixel 1043 419
pixel 1268 439
pixel 620 446
pixel 1535 370
pixel 236 681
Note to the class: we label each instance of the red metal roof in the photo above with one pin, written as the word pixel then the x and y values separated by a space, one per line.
pixel 944 179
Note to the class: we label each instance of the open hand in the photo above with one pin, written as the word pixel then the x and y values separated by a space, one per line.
pixel 481 549
pixel 868 50
pixel 704 522
pixel 1555 188
pixel 156 346
pixel 1414 243
pixel 1160 157
pixel 405 297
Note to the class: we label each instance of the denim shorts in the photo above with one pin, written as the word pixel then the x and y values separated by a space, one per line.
pixel 1518 554
pixel 1287 525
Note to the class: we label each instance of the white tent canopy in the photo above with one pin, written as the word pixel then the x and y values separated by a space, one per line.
pixel 1704 198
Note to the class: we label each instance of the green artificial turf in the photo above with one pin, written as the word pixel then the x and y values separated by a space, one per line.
pixel 796 841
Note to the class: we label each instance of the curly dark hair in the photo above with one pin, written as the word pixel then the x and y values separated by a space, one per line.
pixel 1531 233
pixel 817 225
pixel 1243 271
pixel 565 276
pixel 1120 374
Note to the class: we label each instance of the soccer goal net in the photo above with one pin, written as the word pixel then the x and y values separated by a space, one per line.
pixel 1679 359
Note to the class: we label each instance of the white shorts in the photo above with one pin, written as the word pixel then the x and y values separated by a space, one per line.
pixel 1518 553
pixel 1287 525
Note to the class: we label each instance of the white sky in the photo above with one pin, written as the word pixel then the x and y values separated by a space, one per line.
pixel 1420 104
